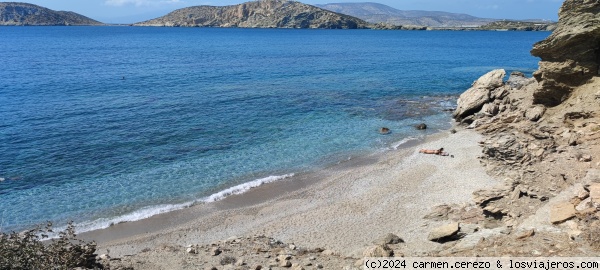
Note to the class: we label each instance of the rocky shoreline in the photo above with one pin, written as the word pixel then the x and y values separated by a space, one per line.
pixel 542 136
pixel 526 151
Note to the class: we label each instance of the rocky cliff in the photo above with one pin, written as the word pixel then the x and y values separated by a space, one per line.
pixel 571 55
pixel 12 13
pixel 258 14
pixel 543 139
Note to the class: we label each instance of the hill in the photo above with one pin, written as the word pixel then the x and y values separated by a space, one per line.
pixel 379 13
pixel 14 13
pixel 258 14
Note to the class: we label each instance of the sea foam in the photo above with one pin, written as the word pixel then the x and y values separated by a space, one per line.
pixel 150 211
pixel 239 189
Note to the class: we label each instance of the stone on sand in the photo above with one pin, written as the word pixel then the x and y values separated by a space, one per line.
pixel 439 234
pixel 389 238
pixel 378 251
pixel 562 212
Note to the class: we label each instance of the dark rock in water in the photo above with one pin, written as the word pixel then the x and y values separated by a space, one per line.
pixel 385 130
pixel 571 55
pixel 421 126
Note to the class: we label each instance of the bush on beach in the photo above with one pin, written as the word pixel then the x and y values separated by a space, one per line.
pixel 28 250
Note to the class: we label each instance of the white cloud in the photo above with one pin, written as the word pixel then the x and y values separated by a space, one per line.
pixel 139 3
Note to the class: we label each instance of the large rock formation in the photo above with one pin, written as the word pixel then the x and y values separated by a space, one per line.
pixel 571 55
pixel 544 139
pixel 258 14
pixel 479 94
pixel 12 13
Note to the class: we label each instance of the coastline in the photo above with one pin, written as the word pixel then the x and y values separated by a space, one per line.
pixel 342 208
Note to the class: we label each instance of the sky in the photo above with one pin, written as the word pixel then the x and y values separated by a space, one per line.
pixel 130 11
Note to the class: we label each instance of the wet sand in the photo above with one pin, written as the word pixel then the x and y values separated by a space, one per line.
pixel 343 208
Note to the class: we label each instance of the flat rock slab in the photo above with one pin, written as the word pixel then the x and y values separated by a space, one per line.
pixel 562 212
pixel 595 193
pixel 442 233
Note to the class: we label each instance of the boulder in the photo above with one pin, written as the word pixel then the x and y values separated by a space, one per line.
pixel 443 233
pixel 378 251
pixel 483 196
pixel 535 113
pixel 297 267
pixel 389 238
pixel 526 234
pixel 421 126
pixel 570 55
pixel 562 212
pixel 490 80
pixel 472 100
pixel 328 252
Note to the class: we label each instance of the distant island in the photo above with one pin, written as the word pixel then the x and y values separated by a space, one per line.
pixel 284 14
pixel 293 14
pixel 379 13
pixel 14 13
pixel 386 17
pixel 259 14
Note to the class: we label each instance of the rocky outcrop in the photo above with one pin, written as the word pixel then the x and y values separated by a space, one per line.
pixel 479 94
pixel 258 14
pixel 13 13
pixel 542 135
pixel 571 55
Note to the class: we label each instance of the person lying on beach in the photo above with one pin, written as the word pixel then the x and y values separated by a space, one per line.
pixel 439 152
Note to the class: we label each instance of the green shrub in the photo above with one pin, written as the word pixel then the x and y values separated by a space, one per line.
pixel 28 250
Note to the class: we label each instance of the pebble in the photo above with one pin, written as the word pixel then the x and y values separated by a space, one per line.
pixel 215 251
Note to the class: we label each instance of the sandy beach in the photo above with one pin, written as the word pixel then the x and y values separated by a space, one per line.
pixel 343 208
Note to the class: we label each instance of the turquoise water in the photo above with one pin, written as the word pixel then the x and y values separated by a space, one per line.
pixel 108 124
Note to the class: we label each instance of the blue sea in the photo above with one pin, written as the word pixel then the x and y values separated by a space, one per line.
pixel 100 125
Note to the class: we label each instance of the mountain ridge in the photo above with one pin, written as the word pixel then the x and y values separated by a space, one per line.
pixel 380 13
